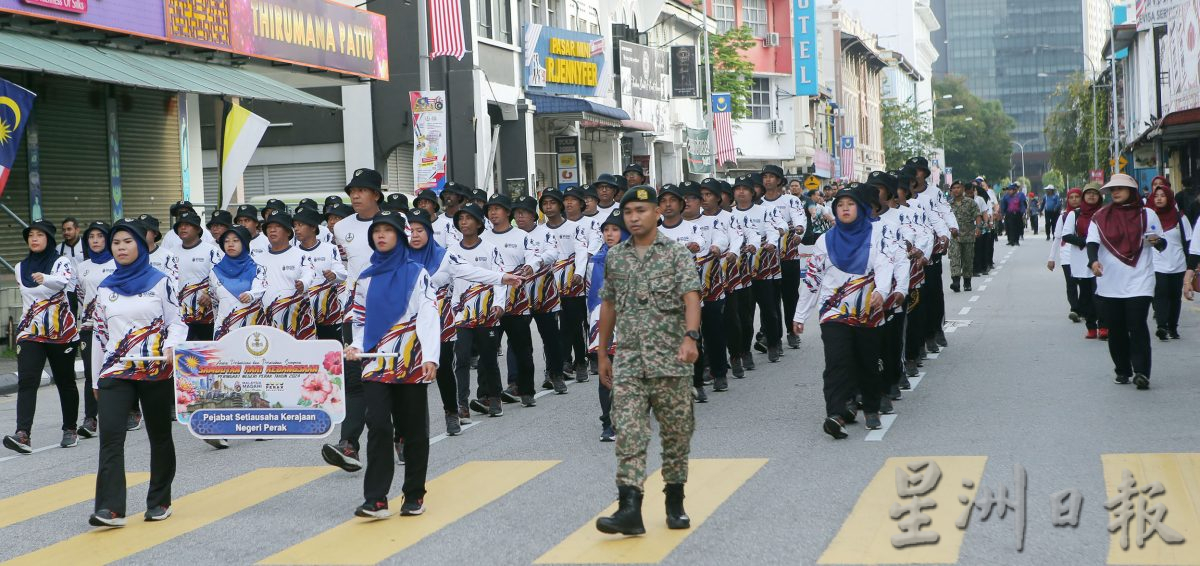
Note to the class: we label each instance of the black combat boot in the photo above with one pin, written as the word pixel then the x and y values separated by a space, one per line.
pixel 676 517
pixel 628 518
pixel 954 284
pixel 966 283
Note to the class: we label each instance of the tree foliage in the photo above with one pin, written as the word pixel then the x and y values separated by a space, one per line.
pixel 905 132
pixel 1069 127
pixel 980 145
pixel 1054 177
pixel 732 71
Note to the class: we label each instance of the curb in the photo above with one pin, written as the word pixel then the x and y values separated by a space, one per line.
pixel 8 382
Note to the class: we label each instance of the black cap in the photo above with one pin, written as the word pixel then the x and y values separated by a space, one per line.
pixel 867 194
pixel 667 189
pixel 188 218
pixel 179 205
pixel 366 179
pixel 573 192
pixel 689 189
pixel 431 196
pixel 552 194
pixel 479 194
pixel 457 189
pixel 635 167
pixel 745 181
pixel 420 216
pixel 134 226
pixel 308 216
pixel 151 223
pixel 340 211
pixel 756 179
pixel 727 188
pixel 307 203
pixel 640 193
pixel 884 179
pixel 853 190
pixel 608 179
pixel 918 164
pixel 590 191
pixel 774 170
pixel 711 185
pixel 471 210
pixel 100 225
pixel 396 201
pixel 330 202
pixel 616 219
pixel 499 200
pixel 241 232
pixel 392 218
pixel 246 211
pixel 221 217
pixel 42 225
pixel 274 204
pixel 281 218
pixel 526 203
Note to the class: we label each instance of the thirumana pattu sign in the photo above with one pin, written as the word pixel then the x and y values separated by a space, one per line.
pixel 560 61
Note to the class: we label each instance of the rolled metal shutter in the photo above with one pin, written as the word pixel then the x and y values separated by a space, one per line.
pixel 279 181
pixel 73 151
pixel 148 139
pixel 400 169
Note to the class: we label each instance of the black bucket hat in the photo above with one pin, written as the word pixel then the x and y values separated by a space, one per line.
pixel 501 201
pixel 526 203
pixel 608 179
pixel 366 179
pixel 281 218
pixel 308 216
pixel 471 210
pixel 149 222
pixel 220 217
pixel 307 203
pixel 431 196
pixel 275 205
pixel 180 205
pixel 135 226
pixel 552 194
pixel 340 211
pixel 246 211
pixel 420 216
pixel 392 218
pixel 397 202
pixel 43 226
pixel 188 218
pixel 330 202
pixel 241 232
pixel 774 170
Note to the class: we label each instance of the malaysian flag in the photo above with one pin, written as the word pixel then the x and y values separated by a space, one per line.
pixel 446 29
pixel 722 109
pixel 16 105
pixel 847 147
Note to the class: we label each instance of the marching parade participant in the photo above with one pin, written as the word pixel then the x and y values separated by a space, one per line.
pixel 1170 263
pixel 914 222
pixel 762 263
pixel 326 288
pixel 687 234
pixel 741 205
pixel 196 258
pixel 171 240
pixel 443 231
pixel 1060 252
pixel 137 315
pixel 570 268
pixel 606 186
pixel 542 291
pixel 478 308
pixel 937 212
pixel 614 232
pixel 161 258
pixel 286 299
pixel 394 316
pixel 218 222
pixel 72 248
pixel 713 195
pixel 1117 242
pixel 517 257
pixel 962 247
pixel 1075 231
pixel 901 241
pixel 576 330
pixel 47 332
pixel 236 284
pixel 736 275
pixel 849 276
pixel 791 210
pixel 247 217
pixel 714 244
pixel 651 291
pixel 97 265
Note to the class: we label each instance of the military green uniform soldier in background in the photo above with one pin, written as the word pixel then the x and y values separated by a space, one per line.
pixel 651 295
pixel 962 247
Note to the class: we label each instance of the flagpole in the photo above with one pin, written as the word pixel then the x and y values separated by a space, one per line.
pixel 707 102
pixel 423 42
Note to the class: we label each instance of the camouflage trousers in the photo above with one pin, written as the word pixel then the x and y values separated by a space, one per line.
pixel 962 257
pixel 670 398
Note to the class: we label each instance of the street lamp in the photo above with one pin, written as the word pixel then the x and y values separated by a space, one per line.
pixel 1022 146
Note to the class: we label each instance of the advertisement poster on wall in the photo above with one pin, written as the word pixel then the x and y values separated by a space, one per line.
pixel 567 150
pixel 683 72
pixel 645 76
pixel 699 151
pixel 429 139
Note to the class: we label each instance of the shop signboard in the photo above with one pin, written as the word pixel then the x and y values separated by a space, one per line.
pixel 805 47
pixel 683 72
pixel 645 84
pixel 561 61
pixel 567 150
pixel 700 151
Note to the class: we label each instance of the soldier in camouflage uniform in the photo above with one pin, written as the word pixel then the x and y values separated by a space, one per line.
pixel 962 247
pixel 652 292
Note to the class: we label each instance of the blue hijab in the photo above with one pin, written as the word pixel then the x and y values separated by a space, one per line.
pixel 849 245
pixel 237 273
pixel 429 257
pixel 101 257
pixel 137 277
pixel 393 277
pixel 593 298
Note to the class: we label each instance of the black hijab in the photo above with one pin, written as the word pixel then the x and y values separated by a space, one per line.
pixel 39 262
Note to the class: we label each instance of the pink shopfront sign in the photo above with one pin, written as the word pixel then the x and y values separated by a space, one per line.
pixel 76 6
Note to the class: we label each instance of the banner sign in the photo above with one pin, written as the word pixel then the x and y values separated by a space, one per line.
pixel 259 382
pixel 429 139
pixel 321 34
pixel 1150 13
pixel 805 46
pixel 561 61
pixel 823 164
pixel 567 149
pixel 683 72
pixel 1180 51
pixel 699 151
pixel 643 71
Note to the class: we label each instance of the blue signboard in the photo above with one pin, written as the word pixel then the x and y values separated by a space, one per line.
pixel 560 61
pixel 805 46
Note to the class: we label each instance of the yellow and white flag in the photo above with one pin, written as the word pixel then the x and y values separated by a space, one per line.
pixel 243 131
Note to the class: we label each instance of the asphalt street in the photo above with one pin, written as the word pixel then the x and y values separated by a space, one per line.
pixel 1017 387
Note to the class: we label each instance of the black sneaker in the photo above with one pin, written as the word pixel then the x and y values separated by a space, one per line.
pixel 342 455
pixel 941 337
pixel 157 513
pixel 452 426
pixel 106 518
pixel 834 427
pixel 748 361
pixel 1121 380
pixel 735 367
pixel 774 353
pixel 793 341
pixel 1074 316
pixel 495 408
pixel 70 439
pixel 584 373
pixel 1174 334
pixel 412 508
pixel 480 405
pixel 18 442
pixel 760 345
pixel 720 384
pixel 593 368
pixel 218 443
pixel 931 346
pixel 88 429
pixel 134 422
pixel 905 384
pixel 560 386
pixel 464 415
pixel 873 422
pixel 546 384
pixel 885 408
pixel 910 370
pixel 699 394
pixel 399 446
pixel 510 395
pixel 607 434
pixel 377 510
pixel 528 401
pixel 1161 333
pixel 1141 381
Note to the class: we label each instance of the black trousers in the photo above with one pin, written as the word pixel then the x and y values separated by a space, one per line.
pixel 573 330
pixel 933 298
pixel 1051 222
pixel 892 351
pixel 1168 300
pixel 520 350
pixel 90 406
pixel 483 341
pixel 980 262
pixel 356 407
pixel 789 291
pixel 200 331
pixel 770 310
pixel 745 306
pixel 73 301
pixel 1013 226
pixel 737 342
pixel 914 325
pixel 396 411
pixel 991 251
pixel 712 326
pixel 117 398
pixel 1033 222
pixel 605 405
pixel 31 360
pixel 1072 288
pixel 1128 334
pixel 851 364
pixel 547 326
pixel 1087 301
pixel 329 332
pixel 447 385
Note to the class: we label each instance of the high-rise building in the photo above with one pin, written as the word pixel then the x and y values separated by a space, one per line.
pixel 1017 52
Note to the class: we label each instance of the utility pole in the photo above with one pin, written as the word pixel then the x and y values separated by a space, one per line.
pixel 1112 52
pixel 423 43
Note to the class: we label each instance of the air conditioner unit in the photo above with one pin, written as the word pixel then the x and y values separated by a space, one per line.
pixel 771 40
pixel 777 127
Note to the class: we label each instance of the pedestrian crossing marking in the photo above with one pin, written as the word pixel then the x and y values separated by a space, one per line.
pixel 885 425
pixel 973 298
pixel 964 310
pixel 191 512
pixel 865 536
pixel 710 483
pixel 51 498
pixel 1180 475
pixel 451 496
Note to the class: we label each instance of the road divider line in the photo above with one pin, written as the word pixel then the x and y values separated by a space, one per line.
pixel 877 435
pixel 51 498
pixel 191 512
pixel 973 298
pixel 964 310
pixel 1179 474
pixel 866 535
pixel 444 436
pixel 933 356
pixel 983 287
pixel 452 496
pixel 914 381
pixel 35 451
pixel 988 280
pixel 710 483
